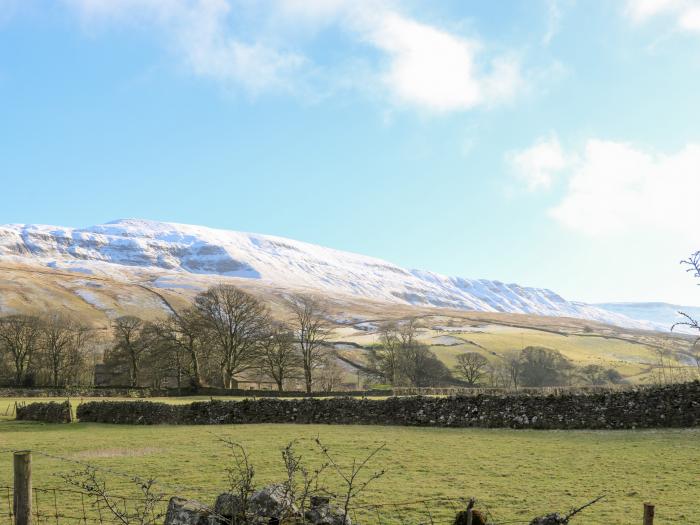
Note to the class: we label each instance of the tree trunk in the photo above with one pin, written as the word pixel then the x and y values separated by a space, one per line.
pixel 195 369
pixel 307 377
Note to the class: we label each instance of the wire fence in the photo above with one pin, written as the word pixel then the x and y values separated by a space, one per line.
pixel 57 506
pixel 66 503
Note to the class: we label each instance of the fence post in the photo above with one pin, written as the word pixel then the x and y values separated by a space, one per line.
pixel 470 512
pixel 22 501
pixel 648 514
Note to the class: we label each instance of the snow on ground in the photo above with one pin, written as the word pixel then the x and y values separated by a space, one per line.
pixel 183 249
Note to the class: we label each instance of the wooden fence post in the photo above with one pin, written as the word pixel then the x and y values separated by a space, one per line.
pixel 648 514
pixel 22 502
pixel 470 512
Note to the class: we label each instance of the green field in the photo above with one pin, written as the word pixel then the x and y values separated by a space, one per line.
pixel 517 474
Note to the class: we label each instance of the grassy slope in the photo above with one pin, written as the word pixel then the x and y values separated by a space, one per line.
pixel 29 288
pixel 631 359
pixel 515 473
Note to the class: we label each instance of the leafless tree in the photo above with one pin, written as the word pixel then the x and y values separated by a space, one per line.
pixel 513 368
pixel 311 329
pixel 63 343
pixel 186 336
pixel 421 368
pixel 329 373
pixel 20 340
pixel 236 322
pixel 693 267
pixel 280 357
pixel 384 358
pixel 471 366
pixel 407 332
pixel 130 344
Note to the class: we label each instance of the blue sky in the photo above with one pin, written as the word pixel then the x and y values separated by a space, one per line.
pixel 549 143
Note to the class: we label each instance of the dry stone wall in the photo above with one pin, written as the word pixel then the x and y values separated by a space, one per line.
pixel 51 412
pixel 648 407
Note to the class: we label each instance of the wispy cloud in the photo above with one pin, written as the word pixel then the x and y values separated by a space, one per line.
pixel 684 13
pixel 554 14
pixel 538 165
pixel 198 31
pixel 415 64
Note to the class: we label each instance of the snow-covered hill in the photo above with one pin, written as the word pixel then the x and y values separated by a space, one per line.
pixel 160 246
pixel 662 316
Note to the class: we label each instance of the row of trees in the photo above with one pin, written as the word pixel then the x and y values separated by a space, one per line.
pixel 225 333
pixel 401 360
pixel 49 349
pixel 532 366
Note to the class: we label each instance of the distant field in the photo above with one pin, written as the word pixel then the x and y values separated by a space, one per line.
pixel 516 474
pixel 633 360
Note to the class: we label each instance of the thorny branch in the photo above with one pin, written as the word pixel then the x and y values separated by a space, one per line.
pixel 144 512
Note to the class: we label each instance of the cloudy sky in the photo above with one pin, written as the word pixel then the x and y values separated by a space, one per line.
pixel 552 143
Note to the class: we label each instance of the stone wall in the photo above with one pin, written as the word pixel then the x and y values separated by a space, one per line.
pixel 52 412
pixel 138 393
pixel 649 407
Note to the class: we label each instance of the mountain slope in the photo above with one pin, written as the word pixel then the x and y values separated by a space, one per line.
pixel 660 315
pixel 126 247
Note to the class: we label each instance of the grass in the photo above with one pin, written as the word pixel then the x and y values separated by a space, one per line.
pixel 517 474
pixel 634 361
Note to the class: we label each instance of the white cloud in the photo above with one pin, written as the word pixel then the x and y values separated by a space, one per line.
pixel 539 164
pixel 420 65
pixel 553 21
pixel 435 70
pixel 198 31
pixel 686 13
pixel 616 188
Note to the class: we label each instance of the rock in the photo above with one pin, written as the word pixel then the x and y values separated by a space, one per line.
pixel 550 519
pixel 228 505
pixel 323 513
pixel 273 501
pixel 186 512
pixel 270 504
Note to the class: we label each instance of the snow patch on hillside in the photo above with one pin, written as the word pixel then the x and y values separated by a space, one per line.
pixel 178 248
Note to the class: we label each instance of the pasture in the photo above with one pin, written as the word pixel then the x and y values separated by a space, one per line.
pixel 516 474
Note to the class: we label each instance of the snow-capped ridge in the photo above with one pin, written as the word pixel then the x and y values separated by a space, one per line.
pixel 279 261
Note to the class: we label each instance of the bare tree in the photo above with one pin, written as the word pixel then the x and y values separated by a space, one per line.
pixel 329 373
pixel 513 369
pixel 186 336
pixel 280 357
pixel 20 339
pixel 384 358
pixel 236 322
pixel 693 266
pixel 63 345
pixel 312 329
pixel 130 344
pixel 421 367
pixel 407 332
pixel 471 366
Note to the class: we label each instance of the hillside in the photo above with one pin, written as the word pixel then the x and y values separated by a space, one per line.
pixel 174 256
pixel 148 269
